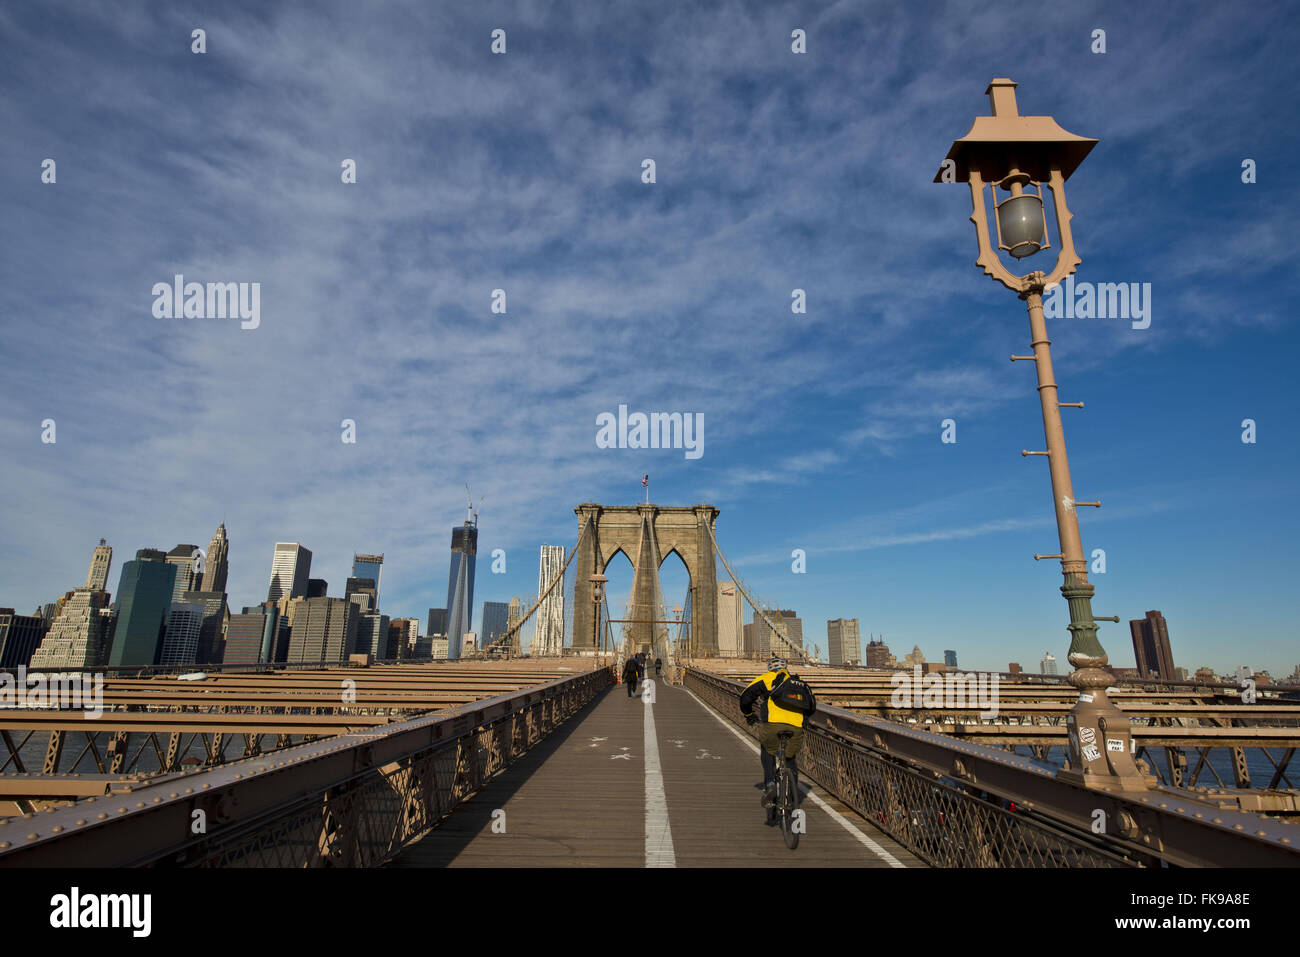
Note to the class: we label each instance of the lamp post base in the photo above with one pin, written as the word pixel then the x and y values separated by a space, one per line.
pixel 1102 752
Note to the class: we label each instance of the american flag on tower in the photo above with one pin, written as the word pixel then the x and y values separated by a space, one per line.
pixel 645 481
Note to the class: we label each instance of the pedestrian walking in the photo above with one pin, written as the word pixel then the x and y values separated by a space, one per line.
pixel 630 674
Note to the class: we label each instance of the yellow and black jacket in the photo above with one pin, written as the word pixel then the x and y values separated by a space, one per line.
pixel 758 692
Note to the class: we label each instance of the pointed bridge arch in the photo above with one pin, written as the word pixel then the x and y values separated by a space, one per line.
pixel 646 534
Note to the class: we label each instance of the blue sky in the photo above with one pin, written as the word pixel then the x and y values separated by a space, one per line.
pixel 775 171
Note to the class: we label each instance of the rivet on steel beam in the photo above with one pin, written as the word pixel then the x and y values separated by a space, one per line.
pixel 139 804
pixel 121 810
pixel 81 822
pixel 3 845
pixel 1237 827
pixel 101 815
pixel 173 794
pixel 32 836
pixel 57 828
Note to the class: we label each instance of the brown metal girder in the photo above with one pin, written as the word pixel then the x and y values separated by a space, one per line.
pixel 153 824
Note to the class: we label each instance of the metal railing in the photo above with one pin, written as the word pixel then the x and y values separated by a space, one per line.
pixel 352 800
pixel 956 804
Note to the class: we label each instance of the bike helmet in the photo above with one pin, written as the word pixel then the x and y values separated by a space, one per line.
pixel 776 663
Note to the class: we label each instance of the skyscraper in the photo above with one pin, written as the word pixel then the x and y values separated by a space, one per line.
pixel 437 622
pixel 460 585
pixel 290 570
pixel 843 638
pixel 79 634
pixel 144 595
pixel 731 615
pixel 316 588
pixel 324 629
pixel 1048 665
pixel 369 566
pixel 516 612
pixel 20 635
pixel 548 639
pixel 180 644
pixel 250 636
pixel 182 556
pixel 793 626
pixel 1151 649
pixel 214 616
pixel 402 636
pixel 950 659
pixel 496 616
pixel 101 560
pixel 762 633
pixel 372 634
pixel 363 592
pixel 217 562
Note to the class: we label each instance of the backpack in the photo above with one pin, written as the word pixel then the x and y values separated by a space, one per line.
pixel 793 694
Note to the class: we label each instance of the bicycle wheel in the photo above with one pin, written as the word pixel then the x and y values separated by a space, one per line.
pixel 787 803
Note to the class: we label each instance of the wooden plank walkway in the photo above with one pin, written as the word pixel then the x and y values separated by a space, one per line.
pixel 580 799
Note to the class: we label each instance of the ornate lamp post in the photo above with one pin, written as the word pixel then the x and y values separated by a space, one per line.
pixel 597 596
pixel 1010 152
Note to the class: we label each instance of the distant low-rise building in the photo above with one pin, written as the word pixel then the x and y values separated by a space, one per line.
pixel 876 654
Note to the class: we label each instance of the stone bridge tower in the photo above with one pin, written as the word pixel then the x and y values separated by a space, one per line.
pixel 646 534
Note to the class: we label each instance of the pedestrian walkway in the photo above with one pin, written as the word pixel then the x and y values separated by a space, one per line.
pixel 626 783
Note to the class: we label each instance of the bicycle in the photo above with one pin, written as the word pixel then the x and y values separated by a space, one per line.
pixel 786 801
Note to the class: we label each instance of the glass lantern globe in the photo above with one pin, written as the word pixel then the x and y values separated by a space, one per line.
pixel 1020 225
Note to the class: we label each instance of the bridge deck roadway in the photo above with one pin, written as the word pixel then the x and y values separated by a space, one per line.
pixel 589 796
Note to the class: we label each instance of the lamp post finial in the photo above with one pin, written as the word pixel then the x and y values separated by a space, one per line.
pixel 1002 94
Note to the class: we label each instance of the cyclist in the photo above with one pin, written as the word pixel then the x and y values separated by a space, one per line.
pixel 659 667
pixel 772 720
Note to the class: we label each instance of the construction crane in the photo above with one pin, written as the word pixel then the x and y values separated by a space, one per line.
pixel 471 513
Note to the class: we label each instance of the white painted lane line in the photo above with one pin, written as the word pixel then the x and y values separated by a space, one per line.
pixel 658 834
pixel 848 825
